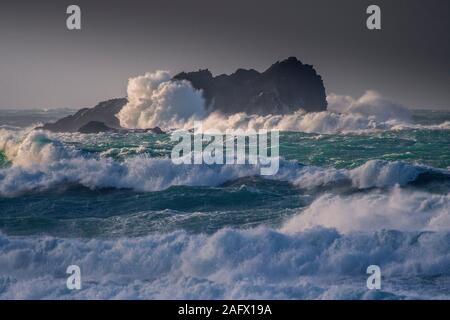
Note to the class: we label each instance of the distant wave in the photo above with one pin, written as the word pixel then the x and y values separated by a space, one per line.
pixel 229 264
pixel 345 114
pixel 371 112
pixel 40 162
pixel 325 122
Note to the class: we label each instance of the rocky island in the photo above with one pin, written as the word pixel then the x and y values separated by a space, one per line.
pixel 285 87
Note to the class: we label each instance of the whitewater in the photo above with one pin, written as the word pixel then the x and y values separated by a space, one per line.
pixel 366 182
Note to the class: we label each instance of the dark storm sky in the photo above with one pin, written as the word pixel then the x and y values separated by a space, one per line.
pixel 42 64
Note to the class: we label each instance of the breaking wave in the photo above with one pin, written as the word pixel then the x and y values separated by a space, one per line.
pixel 155 100
pixel 370 112
pixel 398 210
pixel 317 252
pixel 40 162
pixel 230 264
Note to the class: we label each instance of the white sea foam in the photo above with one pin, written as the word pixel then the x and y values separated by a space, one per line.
pixel 35 148
pixel 374 173
pixel 155 100
pixel 230 264
pixel 322 252
pixel 398 209
pixel 345 114
pixel 40 161
pixel 372 105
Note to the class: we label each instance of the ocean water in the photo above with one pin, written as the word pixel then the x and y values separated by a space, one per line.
pixel 350 192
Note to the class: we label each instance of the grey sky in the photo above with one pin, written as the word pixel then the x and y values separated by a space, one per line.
pixel 42 64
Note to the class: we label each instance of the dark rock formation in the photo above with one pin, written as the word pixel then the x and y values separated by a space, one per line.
pixel 285 87
pixel 103 112
pixel 157 130
pixel 95 127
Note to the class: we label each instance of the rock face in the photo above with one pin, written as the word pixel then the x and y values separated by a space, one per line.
pixel 95 127
pixel 285 87
pixel 103 112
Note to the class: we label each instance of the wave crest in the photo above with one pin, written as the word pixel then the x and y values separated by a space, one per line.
pixel 41 161
pixel 397 210
pixel 230 264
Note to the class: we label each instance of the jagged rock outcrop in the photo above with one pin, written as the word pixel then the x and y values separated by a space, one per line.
pixel 103 112
pixel 97 127
pixel 285 87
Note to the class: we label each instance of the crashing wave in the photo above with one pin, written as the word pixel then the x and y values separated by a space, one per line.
pixel 398 210
pixel 42 162
pixel 257 263
pixel 155 100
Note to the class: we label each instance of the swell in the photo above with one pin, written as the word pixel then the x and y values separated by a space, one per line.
pixel 115 213
pixel 41 163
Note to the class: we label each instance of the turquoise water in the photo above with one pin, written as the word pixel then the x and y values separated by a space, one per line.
pixel 74 210
pixel 349 151
pixel 3 160
pixel 378 196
